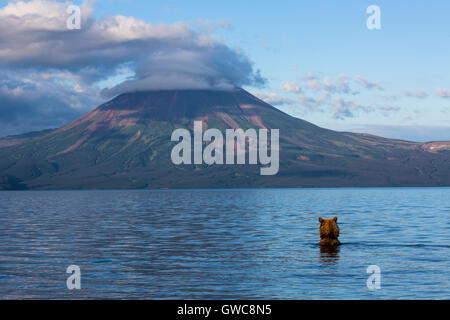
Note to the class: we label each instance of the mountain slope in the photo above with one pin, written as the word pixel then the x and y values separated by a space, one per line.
pixel 125 143
pixel 21 138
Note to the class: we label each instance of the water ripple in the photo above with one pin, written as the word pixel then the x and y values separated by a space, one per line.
pixel 217 244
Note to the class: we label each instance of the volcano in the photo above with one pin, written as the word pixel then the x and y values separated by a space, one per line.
pixel 126 143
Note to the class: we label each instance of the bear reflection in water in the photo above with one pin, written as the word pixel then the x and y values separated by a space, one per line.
pixel 329 254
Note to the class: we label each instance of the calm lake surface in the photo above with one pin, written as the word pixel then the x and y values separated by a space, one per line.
pixel 217 244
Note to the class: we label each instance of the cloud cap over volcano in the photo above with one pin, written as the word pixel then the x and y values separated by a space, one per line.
pixel 210 67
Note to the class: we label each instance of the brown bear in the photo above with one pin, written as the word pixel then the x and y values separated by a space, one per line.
pixel 329 232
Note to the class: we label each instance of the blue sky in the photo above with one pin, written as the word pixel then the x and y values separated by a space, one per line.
pixel 405 66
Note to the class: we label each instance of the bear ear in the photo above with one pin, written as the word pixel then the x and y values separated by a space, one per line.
pixel 335 219
pixel 320 220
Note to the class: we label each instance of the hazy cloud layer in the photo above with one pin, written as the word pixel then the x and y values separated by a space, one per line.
pixel 340 96
pixel 335 95
pixel 66 66
pixel 418 133
pixel 340 84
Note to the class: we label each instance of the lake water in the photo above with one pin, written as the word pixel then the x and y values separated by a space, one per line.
pixel 217 244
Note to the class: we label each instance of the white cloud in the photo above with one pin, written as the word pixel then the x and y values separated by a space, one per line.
pixel 341 108
pixel 443 93
pixel 291 86
pixel 418 93
pixel 273 98
pixel 310 76
pixel 314 104
pixel 51 74
pixel 347 108
pixel 340 84
pixel 34 35
pixel 318 93
pixel 406 117
pixel 367 84
pixel 388 107
pixel 390 97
